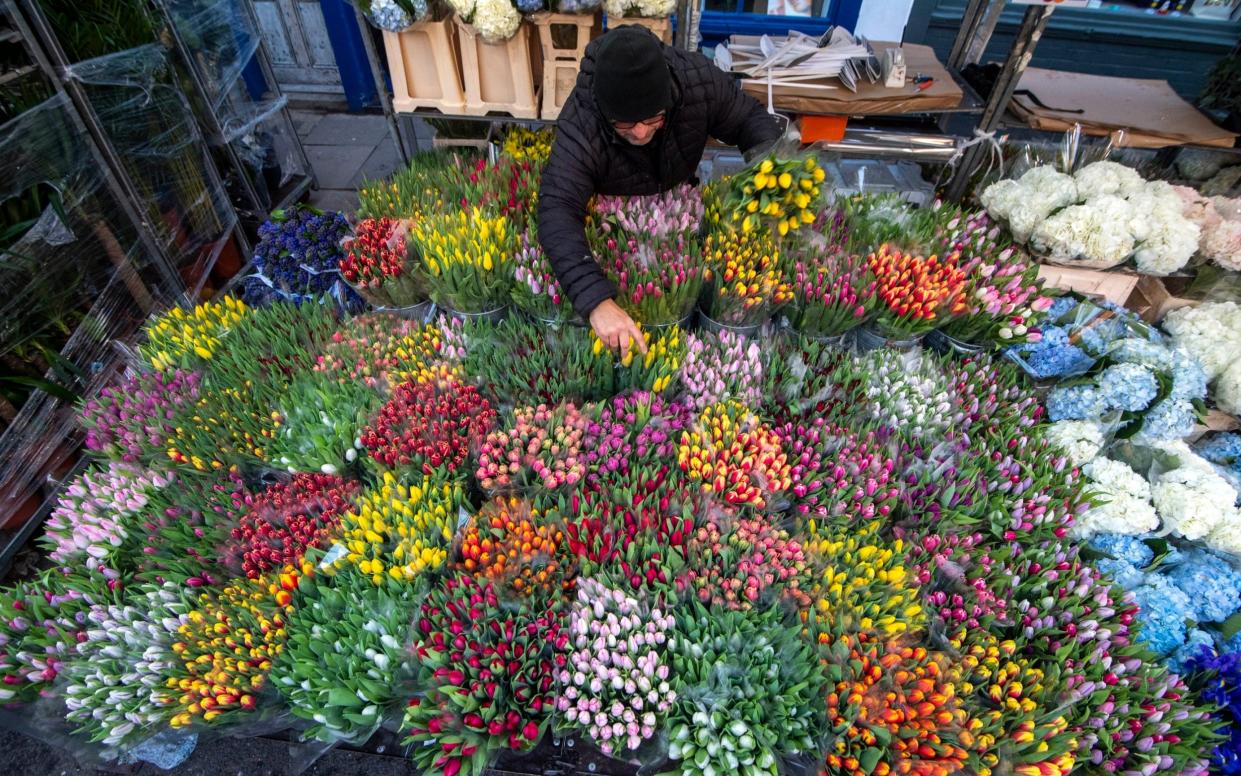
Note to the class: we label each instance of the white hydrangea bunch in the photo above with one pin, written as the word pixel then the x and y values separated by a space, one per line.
pixel 1192 500
pixel 1095 234
pixel 1221 235
pixel 1026 202
pixel 1228 389
pixel 1124 498
pixel 1226 537
pixel 651 9
pixel 1104 177
pixel 1211 332
pixel 1081 440
pixel 1167 238
pixel 495 20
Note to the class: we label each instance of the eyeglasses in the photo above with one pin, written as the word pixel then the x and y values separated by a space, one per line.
pixel 653 121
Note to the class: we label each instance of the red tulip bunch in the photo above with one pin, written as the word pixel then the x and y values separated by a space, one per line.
pixel 741 566
pixel 280 523
pixel 429 426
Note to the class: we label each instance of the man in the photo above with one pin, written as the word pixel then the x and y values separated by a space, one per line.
pixel 636 122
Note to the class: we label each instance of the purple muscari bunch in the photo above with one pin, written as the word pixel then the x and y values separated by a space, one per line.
pixel 91 519
pixel 1223 689
pixel 130 421
pixel 676 211
pixel 1075 402
pixel 1212 585
pixel 633 428
pixel 615 686
pixel 722 366
pixel 1128 387
pixel 1127 556
pixel 839 474
pixel 298 255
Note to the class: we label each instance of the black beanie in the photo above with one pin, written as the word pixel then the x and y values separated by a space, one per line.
pixel 631 80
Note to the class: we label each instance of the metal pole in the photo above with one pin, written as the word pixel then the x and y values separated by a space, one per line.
pixel 1032 26
pixel 381 87
pixel 969 23
pixel 982 34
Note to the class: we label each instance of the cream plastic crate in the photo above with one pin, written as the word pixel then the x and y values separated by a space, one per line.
pixel 499 77
pixel 561 63
pixel 425 64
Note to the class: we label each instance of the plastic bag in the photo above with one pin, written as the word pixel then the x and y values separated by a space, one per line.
pixel 394 15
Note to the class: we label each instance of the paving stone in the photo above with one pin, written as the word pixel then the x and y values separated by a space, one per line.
pixel 348 129
pixel 336 165
pixel 304 121
pixel 343 200
pixel 382 162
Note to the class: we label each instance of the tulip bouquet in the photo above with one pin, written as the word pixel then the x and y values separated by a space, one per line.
pixel 841 475
pixel 428 426
pixel 345 657
pixel 657 278
pixel 536 291
pixel 226 648
pixel 280 523
pixel 132 420
pixel 525 144
pixel 743 284
pixel 467 257
pixel 833 293
pixel 96 514
pixel 42 621
pixel 781 194
pixel 398 533
pixel 379 351
pixel 676 212
pixel 424 187
pixel 114 689
pixel 542 446
pixel 749 690
pixel 734 455
pixel 506 187
pixel 490 673
pixel 803 379
pixel 176 538
pixel 909 391
pixel 518 552
pixel 519 361
pixel 379 265
pixel 860 585
pixel 633 430
pixel 181 339
pixel 751 562
pixel 955 571
pixel 917 294
pixel 615 686
pixel 655 371
pixel 719 367
pixel 635 538
pixel 320 421
pixel 297 257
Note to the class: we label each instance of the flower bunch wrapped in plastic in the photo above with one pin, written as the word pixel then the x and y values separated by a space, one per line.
pixel 378 264
pixel 1121 501
pixel 394 15
pixel 467 257
pixel 917 294
pixel 181 339
pixel 428 426
pixel 543 446
pixel 721 366
pixel 734 455
pixel 226 646
pixel 650 9
pixel 297 256
pixel 615 686
pixel 832 294
pixel 536 291
pixel 781 194
pixel 802 378
pixel 518 362
pixel 1080 440
pixel 1095 234
pixel 93 517
pixel 345 657
pixel 525 144
pixel 744 286
pixel 320 420
pixel 380 351
pixel 399 533
pixel 495 20
pixel 1193 500
pixel 132 420
pixel 657 278
pixel 497 696
pixel 178 536
pixel 657 370
pixel 517 551
pixel 677 212
pixel 1024 203
pixel 840 474
pixel 42 621
pixel 633 429
pixel 1220 239
pixel 1228 389
pixel 1166 238
pixel 279 524
pixel 909 391
pixel 114 689
pixel 1211 332
pixel 749 691
pixel 752 562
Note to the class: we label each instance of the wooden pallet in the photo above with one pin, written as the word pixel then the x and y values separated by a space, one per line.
pixel 425 63
pixel 500 77
pixel 563 39
pixel 661 27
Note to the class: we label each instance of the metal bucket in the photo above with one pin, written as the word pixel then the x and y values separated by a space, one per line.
pixel 867 338
pixel 707 323
pixel 492 316
pixel 421 312
pixel 942 343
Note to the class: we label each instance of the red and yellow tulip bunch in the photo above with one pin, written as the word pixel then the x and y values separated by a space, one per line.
pixel 744 282
pixel 509 546
pixel 917 294
pixel 734 456
pixel 382 351
pixel 227 647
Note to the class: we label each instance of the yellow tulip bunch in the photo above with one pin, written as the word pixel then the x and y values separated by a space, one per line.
pixel 744 278
pixel 654 371
pixel 467 257
pixel 735 456
pixel 399 532
pixel 785 193
pixel 181 339
pixel 522 144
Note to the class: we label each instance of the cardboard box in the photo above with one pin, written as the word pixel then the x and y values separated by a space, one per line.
pixel 1152 300
pixel 1113 285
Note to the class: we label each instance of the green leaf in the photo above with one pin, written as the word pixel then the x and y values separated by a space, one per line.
pixel 1231 626
pixel 338 696
pixel 869 759
pixel 39 384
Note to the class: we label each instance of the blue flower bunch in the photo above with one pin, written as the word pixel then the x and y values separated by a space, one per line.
pixel 1128 555
pixel 1211 583
pixel 298 257
pixel 1223 689
pixel 1182 659
pixel 1222 449
pixel 1169 420
pixel 1075 402
pixel 1162 609
pixel 1052 356
pixel 529 6
pixel 1128 387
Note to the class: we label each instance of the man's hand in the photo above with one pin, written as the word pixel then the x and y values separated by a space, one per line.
pixel 615 327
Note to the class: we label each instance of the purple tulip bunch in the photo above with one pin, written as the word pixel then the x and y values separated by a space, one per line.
pixel 131 421
pixel 633 429
pixel 841 474
pixel 722 366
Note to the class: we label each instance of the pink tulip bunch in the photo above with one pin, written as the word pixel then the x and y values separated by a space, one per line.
pixel 749 563
pixel 841 474
pixel 722 366
pixel 132 420
pixel 544 446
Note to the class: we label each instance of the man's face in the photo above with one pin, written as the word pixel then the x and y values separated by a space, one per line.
pixel 639 133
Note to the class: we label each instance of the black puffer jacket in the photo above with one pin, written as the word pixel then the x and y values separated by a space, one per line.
pixel 588 157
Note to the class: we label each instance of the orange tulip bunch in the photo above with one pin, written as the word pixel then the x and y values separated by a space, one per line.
pixel 918 293
pixel 508 546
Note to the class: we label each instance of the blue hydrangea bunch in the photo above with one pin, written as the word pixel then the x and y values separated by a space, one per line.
pixel 1168 420
pixel 1075 402
pixel 1224 690
pixel 1060 307
pixel 1212 584
pixel 1052 356
pixel 1128 555
pixel 1222 449
pixel 1189 379
pixel 298 257
pixel 1197 640
pixel 1163 610
pixel 1132 350
pixel 1127 387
